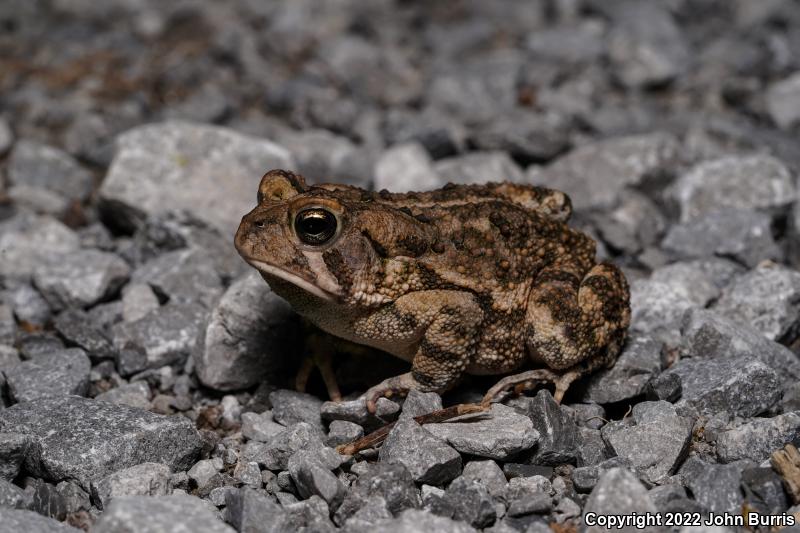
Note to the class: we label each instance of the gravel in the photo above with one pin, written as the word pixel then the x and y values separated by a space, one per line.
pixel 146 479
pixel 758 438
pixel 34 164
pixel 618 492
pixel 741 386
pixel 82 439
pixel 500 435
pixel 639 362
pixel 248 333
pixel 428 458
pixel 59 373
pixel 655 440
pixel 124 174
pixel 740 182
pixel 766 298
pixel 558 435
pixel 80 278
pixel 162 514
pixel 174 166
pixel 12 520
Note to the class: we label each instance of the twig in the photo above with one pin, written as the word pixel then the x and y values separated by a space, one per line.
pixel 377 437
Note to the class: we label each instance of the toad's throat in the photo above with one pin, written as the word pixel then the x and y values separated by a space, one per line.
pixel 294 279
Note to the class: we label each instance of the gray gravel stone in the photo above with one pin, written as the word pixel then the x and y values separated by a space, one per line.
pixel 28 305
pixel 84 440
pixel 477 90
pixel 203 472
pixel 655 441
pixel 705 333
pixel 525 497
pixel 742 182
pixel 323 157
pixel 488 474
pixel 163 514
pixel 78 329
pixel 618 492
pixel 659 303
pixel 471 502
pixel 420 403
pixel 342 432
pixel 290 407
pixel 715 487
pixel 783 101
pixel 593 448
pixel 740 386
pixel 355 411
pixel 81 278
pixel 758 438
pixel 478 167
pixel 15 520
pixel 6 136
pixel 584 478
pixel 639 362
pixel 414 521
pixel 275 454
pixel 55 374
pixel 613 165
pixel 525 135
pixel 428 458
pixel 9 357
pixel 250 511
pixel 164 336
pixel 500 434
pixel 260 427
pixel 646 46
pixel 138 299
pixel 763 489
pixel 11 496
pixel 247 336
pixel 146 479
pixel 13 448
pixel 8 326
pixel 176 166
pixel 742 234
pixel 248 474
pixel 311 477
pixel 182 276
pixel 37 165
pixel 558 435
pixel 29 241
pixel 405 167
pixel 134 394
pixel 766 298
pixel 392 482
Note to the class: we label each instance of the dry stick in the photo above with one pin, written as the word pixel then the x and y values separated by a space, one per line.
pixel 377 437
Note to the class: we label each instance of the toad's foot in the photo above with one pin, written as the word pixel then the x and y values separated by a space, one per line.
pixel 321 359
pixel 529 380
pixel 395 386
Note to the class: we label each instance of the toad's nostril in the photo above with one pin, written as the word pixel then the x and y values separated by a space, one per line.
pixel 259 223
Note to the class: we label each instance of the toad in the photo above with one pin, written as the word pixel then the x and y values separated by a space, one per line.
pixel 475 279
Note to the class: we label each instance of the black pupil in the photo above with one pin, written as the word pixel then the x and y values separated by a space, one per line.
pixel 315 226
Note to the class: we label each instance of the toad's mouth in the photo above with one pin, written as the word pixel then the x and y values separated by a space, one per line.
pixel 294 279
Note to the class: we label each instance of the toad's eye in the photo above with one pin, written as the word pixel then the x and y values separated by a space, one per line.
pixel 315 226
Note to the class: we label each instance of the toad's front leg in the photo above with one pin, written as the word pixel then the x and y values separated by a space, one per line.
pixel 441 324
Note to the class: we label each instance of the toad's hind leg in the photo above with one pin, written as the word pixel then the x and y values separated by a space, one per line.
pixel 574 327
